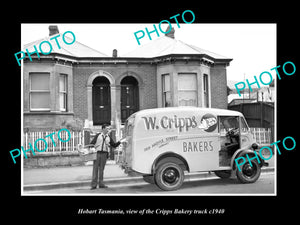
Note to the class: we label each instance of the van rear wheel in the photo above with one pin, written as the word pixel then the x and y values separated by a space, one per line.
pixel 169 176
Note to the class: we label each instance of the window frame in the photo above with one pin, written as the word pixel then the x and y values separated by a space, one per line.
pixel 38 91
pixel 164 92
pixel 64 93
pixel 195 90
pixel 206 96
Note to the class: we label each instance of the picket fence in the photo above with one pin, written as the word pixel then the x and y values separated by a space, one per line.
pixel 261 135
pixel 56 145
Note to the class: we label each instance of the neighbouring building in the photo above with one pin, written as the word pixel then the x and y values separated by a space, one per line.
pixel 263 94
pixel 77 82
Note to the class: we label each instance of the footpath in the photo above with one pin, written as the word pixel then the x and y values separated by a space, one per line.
pixel 79 176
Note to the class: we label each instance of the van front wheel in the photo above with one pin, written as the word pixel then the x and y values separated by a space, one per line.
pixel 169 176
pixel 248 173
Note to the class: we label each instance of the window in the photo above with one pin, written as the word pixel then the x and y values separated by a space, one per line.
pixel 63 92
pixel 166 92
pixel 187 90
pixel 206 90
pixel 129 124
pixel 39 95
pixel 228 123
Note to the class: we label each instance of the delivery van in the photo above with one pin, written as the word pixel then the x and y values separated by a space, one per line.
pixel 163 144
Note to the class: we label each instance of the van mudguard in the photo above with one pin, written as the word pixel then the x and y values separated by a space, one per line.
pixel 240 152
pixel 170 157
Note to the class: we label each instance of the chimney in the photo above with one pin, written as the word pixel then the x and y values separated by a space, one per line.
pixel 53 29
pixel 171 34
pixel 115 53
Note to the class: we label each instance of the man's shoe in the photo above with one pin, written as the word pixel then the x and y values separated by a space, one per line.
pixel 103 186
pixel 92 188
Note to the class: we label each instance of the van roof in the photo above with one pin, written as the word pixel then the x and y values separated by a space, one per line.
pixel 218 112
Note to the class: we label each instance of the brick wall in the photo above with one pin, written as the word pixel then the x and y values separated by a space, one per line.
pixel 145 74
pixel 218 87
pixel 78 75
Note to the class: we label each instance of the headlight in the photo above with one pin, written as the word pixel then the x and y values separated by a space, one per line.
pixel 266 153
pixel 254 146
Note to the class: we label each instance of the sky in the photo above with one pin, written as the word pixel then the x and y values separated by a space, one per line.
pixel 251 46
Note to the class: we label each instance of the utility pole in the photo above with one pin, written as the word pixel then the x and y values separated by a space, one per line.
pixel 244 90
pixel 243 97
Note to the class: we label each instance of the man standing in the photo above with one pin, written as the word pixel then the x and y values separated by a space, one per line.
pixel 102 142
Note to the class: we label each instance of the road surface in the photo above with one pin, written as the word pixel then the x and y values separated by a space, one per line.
pixel 212 186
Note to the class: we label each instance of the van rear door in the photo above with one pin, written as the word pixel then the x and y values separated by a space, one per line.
pixel 127 146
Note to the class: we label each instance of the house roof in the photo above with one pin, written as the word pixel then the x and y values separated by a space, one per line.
pixel 76 49
pixel 169 46
pixel 162 46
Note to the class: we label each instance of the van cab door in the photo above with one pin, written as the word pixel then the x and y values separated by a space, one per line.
pixel 229 129
pixel 246 135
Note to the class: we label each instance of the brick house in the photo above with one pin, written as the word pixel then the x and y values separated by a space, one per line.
pixel 79 82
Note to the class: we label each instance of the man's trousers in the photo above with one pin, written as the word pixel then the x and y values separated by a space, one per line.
pixel 98 168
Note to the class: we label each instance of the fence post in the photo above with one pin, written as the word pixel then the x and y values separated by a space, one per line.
pixel 86 137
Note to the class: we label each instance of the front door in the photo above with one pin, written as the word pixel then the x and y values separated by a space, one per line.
pixel 101 102
pixel 129 100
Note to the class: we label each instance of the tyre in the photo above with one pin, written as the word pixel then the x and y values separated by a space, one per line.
pixel 248 173
pixel 169 176
pixel 224 174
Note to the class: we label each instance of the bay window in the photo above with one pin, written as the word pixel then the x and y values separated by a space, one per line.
pixel 187 89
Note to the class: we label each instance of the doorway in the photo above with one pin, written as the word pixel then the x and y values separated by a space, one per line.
pixel 129 97
pixel 229 137
pixel 101 101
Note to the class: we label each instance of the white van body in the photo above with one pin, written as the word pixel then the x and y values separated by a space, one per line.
pixel 193 135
